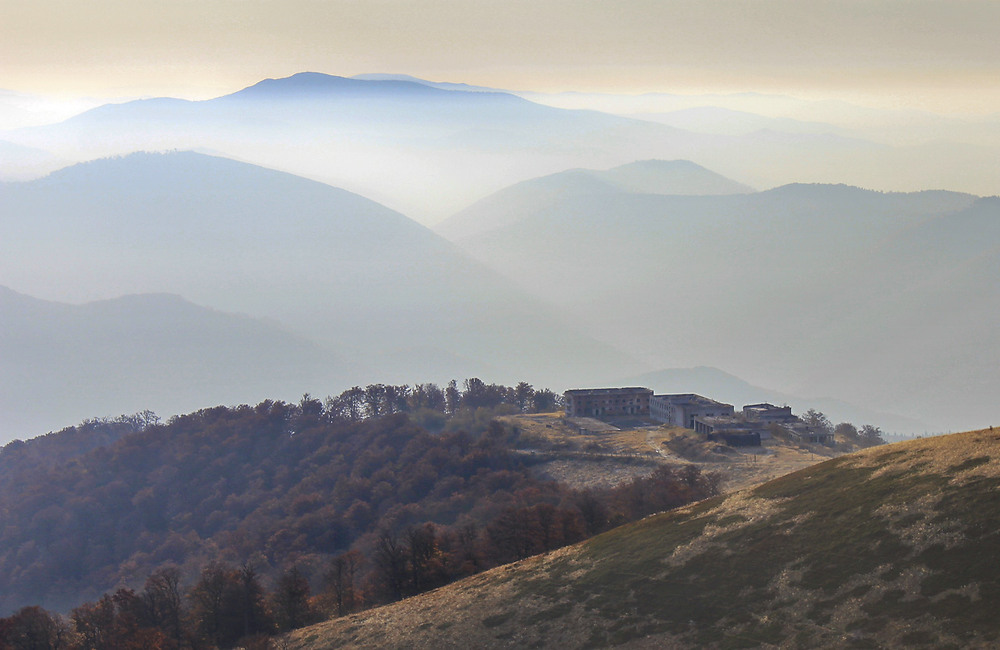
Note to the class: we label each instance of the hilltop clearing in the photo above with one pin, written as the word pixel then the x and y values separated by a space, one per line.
pixel 587 453
pixel 893 546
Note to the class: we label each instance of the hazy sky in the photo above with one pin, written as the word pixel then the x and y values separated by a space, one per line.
pixel 943 55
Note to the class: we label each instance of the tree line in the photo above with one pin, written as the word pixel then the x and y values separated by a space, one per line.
pixel 849 437
pixel 375 400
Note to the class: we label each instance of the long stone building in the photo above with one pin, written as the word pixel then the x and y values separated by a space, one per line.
pixel 680 410
pixel 598 402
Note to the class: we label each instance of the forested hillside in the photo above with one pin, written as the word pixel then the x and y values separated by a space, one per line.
pixel 411 487
pixel 892 547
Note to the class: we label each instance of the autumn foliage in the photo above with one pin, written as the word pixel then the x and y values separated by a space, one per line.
pixel 235 523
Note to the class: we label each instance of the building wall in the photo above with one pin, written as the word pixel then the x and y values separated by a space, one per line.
pixel 737 438
pixel 598 402
pixel 661 410
pixel 682 410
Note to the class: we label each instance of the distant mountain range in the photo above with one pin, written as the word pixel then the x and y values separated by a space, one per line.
pixel 389 297
pixel 609 246
pixel 815 289
pixel 430 149
pixel 882 300
pixel 427 150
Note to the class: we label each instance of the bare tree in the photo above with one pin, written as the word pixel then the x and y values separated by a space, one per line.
pixel 162 599
pixel 340 581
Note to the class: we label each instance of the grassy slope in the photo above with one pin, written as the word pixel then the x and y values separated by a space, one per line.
pixel 897 545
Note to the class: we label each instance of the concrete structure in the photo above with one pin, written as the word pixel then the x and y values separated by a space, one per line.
pixel 734 431
pixel 683 410
pixel 601 402
pixel 768 413
pixel 736 438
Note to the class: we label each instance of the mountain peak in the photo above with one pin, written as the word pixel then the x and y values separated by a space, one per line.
pixel 672 177
pixel 517 202
pixel 318 84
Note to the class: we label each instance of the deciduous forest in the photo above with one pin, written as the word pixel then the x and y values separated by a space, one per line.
pixel 235 523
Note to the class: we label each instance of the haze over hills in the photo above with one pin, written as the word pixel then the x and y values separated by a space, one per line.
pixel 426 150
pixel 395 301
pixel 383 292
pixel 19 109
pixel 810 289
pixel 746 112
pixel 18 162
pixel 842 142
pixel 774 286
pixel 933 288
pixel 63 363
pixel 512 204
pixel 430 149
pixel 715 119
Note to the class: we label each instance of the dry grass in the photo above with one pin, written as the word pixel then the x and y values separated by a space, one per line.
pixel 891 547
pixel 738 468
pixel 737 511
pixel 583 474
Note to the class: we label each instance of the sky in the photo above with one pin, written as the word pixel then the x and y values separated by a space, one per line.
pixel 933 55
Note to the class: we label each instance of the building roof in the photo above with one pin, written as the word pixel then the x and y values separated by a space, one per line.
pixel 690 399
pixel 606 391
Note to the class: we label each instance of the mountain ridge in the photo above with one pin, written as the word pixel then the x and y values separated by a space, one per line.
pixel 654 177
pixel 143 351
pixel 317 85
